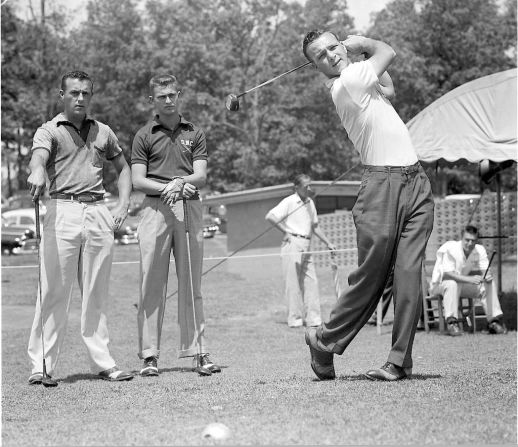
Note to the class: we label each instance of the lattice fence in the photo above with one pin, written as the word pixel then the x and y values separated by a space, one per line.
pixel 450 217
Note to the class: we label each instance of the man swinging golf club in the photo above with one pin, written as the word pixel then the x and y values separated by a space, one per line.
pixel 393 213
pixel 77 241
pixel 169 164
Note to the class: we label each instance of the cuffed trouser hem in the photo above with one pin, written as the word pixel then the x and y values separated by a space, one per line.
pixel 396 360
pixel 498 318
pixel 98 370
pixel 149 353
pixel 191 352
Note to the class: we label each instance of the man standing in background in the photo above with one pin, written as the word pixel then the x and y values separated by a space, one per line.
pixel 296 217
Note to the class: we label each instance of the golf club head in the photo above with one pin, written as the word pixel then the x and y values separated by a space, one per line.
pixel 47 382
pixel 232 103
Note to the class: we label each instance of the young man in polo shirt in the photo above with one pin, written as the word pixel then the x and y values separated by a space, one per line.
pixel 393 213
pixel 296 217
pixel 169 163
pixel 77 242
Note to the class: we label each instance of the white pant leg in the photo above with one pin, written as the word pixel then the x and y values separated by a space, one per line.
pixel 60 251
pixel 450 291
pixel 488 295
pixel 291 265
pixel 94 278
pixel 310 291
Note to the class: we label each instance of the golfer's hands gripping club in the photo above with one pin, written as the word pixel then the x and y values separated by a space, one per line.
pixel 119 214
pixel 177 189
pixel 354 44
pixel 36 183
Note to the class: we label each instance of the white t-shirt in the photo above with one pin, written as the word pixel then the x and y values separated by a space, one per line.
pixel 299 218
pixel 451 258
pixel 374 127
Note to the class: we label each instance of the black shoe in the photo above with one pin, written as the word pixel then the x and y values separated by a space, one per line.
pixel 198 367
pixel 453 327
pixel 321 361
pixel 36 378
pixel 150 367
pixel 389 372
pixel 207 363
pixel 495 327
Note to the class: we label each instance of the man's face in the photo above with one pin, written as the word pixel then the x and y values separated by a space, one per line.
pixel 468 241
pixel 76 98
pixel 165 99
pixel 328 55
pixel 304 189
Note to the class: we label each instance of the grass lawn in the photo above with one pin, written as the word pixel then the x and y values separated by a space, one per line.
pixel 463 390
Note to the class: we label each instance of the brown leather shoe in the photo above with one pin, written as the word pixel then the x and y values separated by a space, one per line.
pixel 389 372
pixel 495 327
pixel 321 361
pixel 453 328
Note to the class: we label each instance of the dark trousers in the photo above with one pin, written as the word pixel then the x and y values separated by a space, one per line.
pixel 393 215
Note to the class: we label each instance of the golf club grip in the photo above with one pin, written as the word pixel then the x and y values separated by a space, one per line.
pixel 489 265
pixel 274 79
pixel 185 215
pixel 37 213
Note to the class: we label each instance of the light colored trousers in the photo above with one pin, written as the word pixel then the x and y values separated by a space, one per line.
pixel 300 283
pixel 160 230
pixel 452 291
pixel 77 242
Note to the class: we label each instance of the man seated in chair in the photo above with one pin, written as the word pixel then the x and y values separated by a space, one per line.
pixel 459 271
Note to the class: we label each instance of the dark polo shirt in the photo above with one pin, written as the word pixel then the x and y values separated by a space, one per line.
pixel 168 153
pixel 75 165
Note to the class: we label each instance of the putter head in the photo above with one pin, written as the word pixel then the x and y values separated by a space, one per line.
pixel 232 103
pixel 48 382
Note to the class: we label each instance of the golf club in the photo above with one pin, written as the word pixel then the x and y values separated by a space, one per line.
pixel 46 380
pixel 489 265
pixel 232 101
pixel 201 370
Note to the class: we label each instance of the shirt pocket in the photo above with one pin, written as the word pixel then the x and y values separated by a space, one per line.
pixel 98 156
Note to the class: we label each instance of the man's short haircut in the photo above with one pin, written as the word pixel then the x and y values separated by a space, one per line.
pixel 161 81
pixel 311 37
pixel 471 230
pixel 299 178
pixel 81 75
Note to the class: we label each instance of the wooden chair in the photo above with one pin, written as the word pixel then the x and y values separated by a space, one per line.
pixel 433 310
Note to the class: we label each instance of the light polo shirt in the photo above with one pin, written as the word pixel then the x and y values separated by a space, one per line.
pixel 372 124
pixel 75 166
pixel 298 217
pixel 168 153
pixel 451 258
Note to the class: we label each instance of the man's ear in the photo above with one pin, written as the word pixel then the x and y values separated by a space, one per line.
pixel 150 99
pixel 61 94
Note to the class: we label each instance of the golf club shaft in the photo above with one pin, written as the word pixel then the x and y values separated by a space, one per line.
pixel 273 79
pixel 489 265
pixel 187 237
pixel 38 238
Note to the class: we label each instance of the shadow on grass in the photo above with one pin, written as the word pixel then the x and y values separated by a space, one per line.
pixel 362 377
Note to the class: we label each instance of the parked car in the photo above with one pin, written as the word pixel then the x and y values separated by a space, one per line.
pixel 127 233
pixel 23 217
pixel 14 237
pixel 22 201
pixel 209 226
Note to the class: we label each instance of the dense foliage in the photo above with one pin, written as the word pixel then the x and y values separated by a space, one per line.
pixel 227 46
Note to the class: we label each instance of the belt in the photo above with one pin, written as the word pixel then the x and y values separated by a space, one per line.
pixel 399 169
pixel 195 196
pixel 85 197
pixel 300 235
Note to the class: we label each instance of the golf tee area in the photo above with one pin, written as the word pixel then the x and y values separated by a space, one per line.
pixel 463 389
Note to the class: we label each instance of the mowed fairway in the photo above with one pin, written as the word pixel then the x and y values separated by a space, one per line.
pixel 463 389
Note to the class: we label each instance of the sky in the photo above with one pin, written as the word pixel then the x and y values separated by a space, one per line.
pixel 360 10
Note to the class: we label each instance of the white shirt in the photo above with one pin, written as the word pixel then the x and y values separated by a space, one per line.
pixel 373 126
pixel 451 258
pixel 299 218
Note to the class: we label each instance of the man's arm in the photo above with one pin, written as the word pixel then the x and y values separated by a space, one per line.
pixel 387 86
pixel 38 176
pixel 120 212
pixel 280 225
pixel 378 53
pixel 319 233
pixel 463 279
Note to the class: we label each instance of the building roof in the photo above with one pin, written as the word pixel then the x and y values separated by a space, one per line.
pixel 321 188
